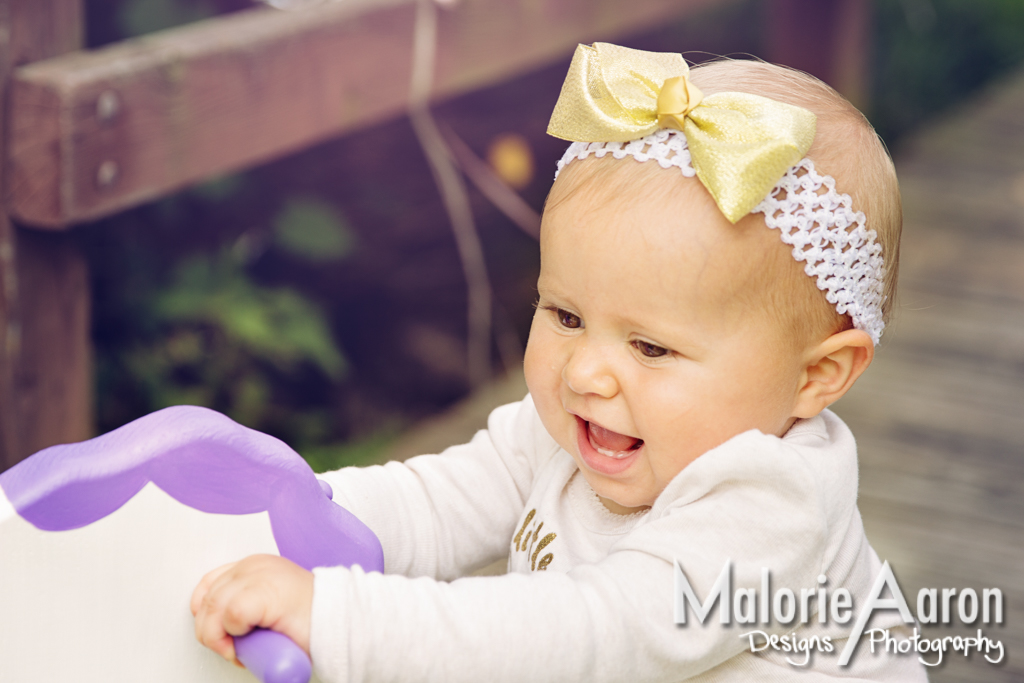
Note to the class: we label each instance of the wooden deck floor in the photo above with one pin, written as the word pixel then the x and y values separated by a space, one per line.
pixel 939 417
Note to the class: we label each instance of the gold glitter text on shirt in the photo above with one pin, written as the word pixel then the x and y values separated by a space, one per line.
pixel 527 536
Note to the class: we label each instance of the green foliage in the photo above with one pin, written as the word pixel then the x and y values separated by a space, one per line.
pixel 932 53
pixel 276 325
pixel 227 339
pixel 313 230
pixel 219 189
pixel 358 453
pixel 138 17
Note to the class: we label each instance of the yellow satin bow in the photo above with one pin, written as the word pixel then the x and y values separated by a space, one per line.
pixel 740 145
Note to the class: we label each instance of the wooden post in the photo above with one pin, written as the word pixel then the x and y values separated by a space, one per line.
pixel 45 370
pixel 10 336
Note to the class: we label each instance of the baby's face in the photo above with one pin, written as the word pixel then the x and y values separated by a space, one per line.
pixel 649 346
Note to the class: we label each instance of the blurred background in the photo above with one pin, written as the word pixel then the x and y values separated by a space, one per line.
pixel 320 295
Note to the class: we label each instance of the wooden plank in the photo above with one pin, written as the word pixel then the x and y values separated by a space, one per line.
pixel 45 376
pixel 95 132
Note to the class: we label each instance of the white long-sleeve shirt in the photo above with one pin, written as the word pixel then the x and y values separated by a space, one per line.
pixel 590 594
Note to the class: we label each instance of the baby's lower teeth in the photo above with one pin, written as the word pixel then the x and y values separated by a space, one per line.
pixel 618 455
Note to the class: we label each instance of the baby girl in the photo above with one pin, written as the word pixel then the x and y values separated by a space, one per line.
pixel 718 257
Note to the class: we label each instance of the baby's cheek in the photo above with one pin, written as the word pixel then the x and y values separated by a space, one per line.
pixel 541 363
pixel 543 380
pixel 671 419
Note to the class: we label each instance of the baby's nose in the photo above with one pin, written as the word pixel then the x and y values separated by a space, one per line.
pixel 589 372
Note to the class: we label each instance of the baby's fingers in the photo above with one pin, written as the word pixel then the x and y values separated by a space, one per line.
pixel 222 596
pixel 223 644
pixel 261 590
pixel 204 586
pixel 243 612
pixel 210 632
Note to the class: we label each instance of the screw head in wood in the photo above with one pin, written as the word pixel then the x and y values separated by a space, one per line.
pixel 106 174
pixel 107 105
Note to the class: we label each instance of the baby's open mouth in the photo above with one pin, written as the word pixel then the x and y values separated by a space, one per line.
pixel 612 444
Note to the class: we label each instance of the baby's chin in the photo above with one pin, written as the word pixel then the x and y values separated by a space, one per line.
pixel 620 500
pixel 618 509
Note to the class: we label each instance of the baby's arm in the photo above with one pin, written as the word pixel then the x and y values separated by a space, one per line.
pixel 445 515
pixel 607 621
pixel 435 515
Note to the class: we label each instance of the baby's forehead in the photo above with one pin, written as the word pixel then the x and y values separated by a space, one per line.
pixel 656 219
pixel 607 184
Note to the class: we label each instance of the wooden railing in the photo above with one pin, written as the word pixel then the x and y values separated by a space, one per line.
pixel 93 132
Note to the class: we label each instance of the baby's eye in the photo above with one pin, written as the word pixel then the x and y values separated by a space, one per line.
pixel 649 350
pixel 567 319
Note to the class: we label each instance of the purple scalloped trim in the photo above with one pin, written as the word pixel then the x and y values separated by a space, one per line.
pixel 203 460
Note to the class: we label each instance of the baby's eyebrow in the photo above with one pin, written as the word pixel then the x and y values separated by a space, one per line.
pixel 546 292
pixel 681 338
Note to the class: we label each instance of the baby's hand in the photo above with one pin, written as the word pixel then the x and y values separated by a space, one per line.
pixel 261 590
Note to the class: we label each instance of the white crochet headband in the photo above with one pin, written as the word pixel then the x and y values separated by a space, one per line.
pixel 825 232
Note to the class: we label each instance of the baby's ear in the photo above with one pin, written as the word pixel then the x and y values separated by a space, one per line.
pixel 830 370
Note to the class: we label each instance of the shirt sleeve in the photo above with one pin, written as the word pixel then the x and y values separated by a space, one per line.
pixel 443 516
pixel 608 621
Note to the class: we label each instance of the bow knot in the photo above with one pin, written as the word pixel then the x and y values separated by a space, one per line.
pixel 676 99
pixel 740 144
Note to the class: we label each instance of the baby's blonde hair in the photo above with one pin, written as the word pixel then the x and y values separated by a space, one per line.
pixel 845 147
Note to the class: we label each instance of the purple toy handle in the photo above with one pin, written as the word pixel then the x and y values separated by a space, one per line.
pixel 273 657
